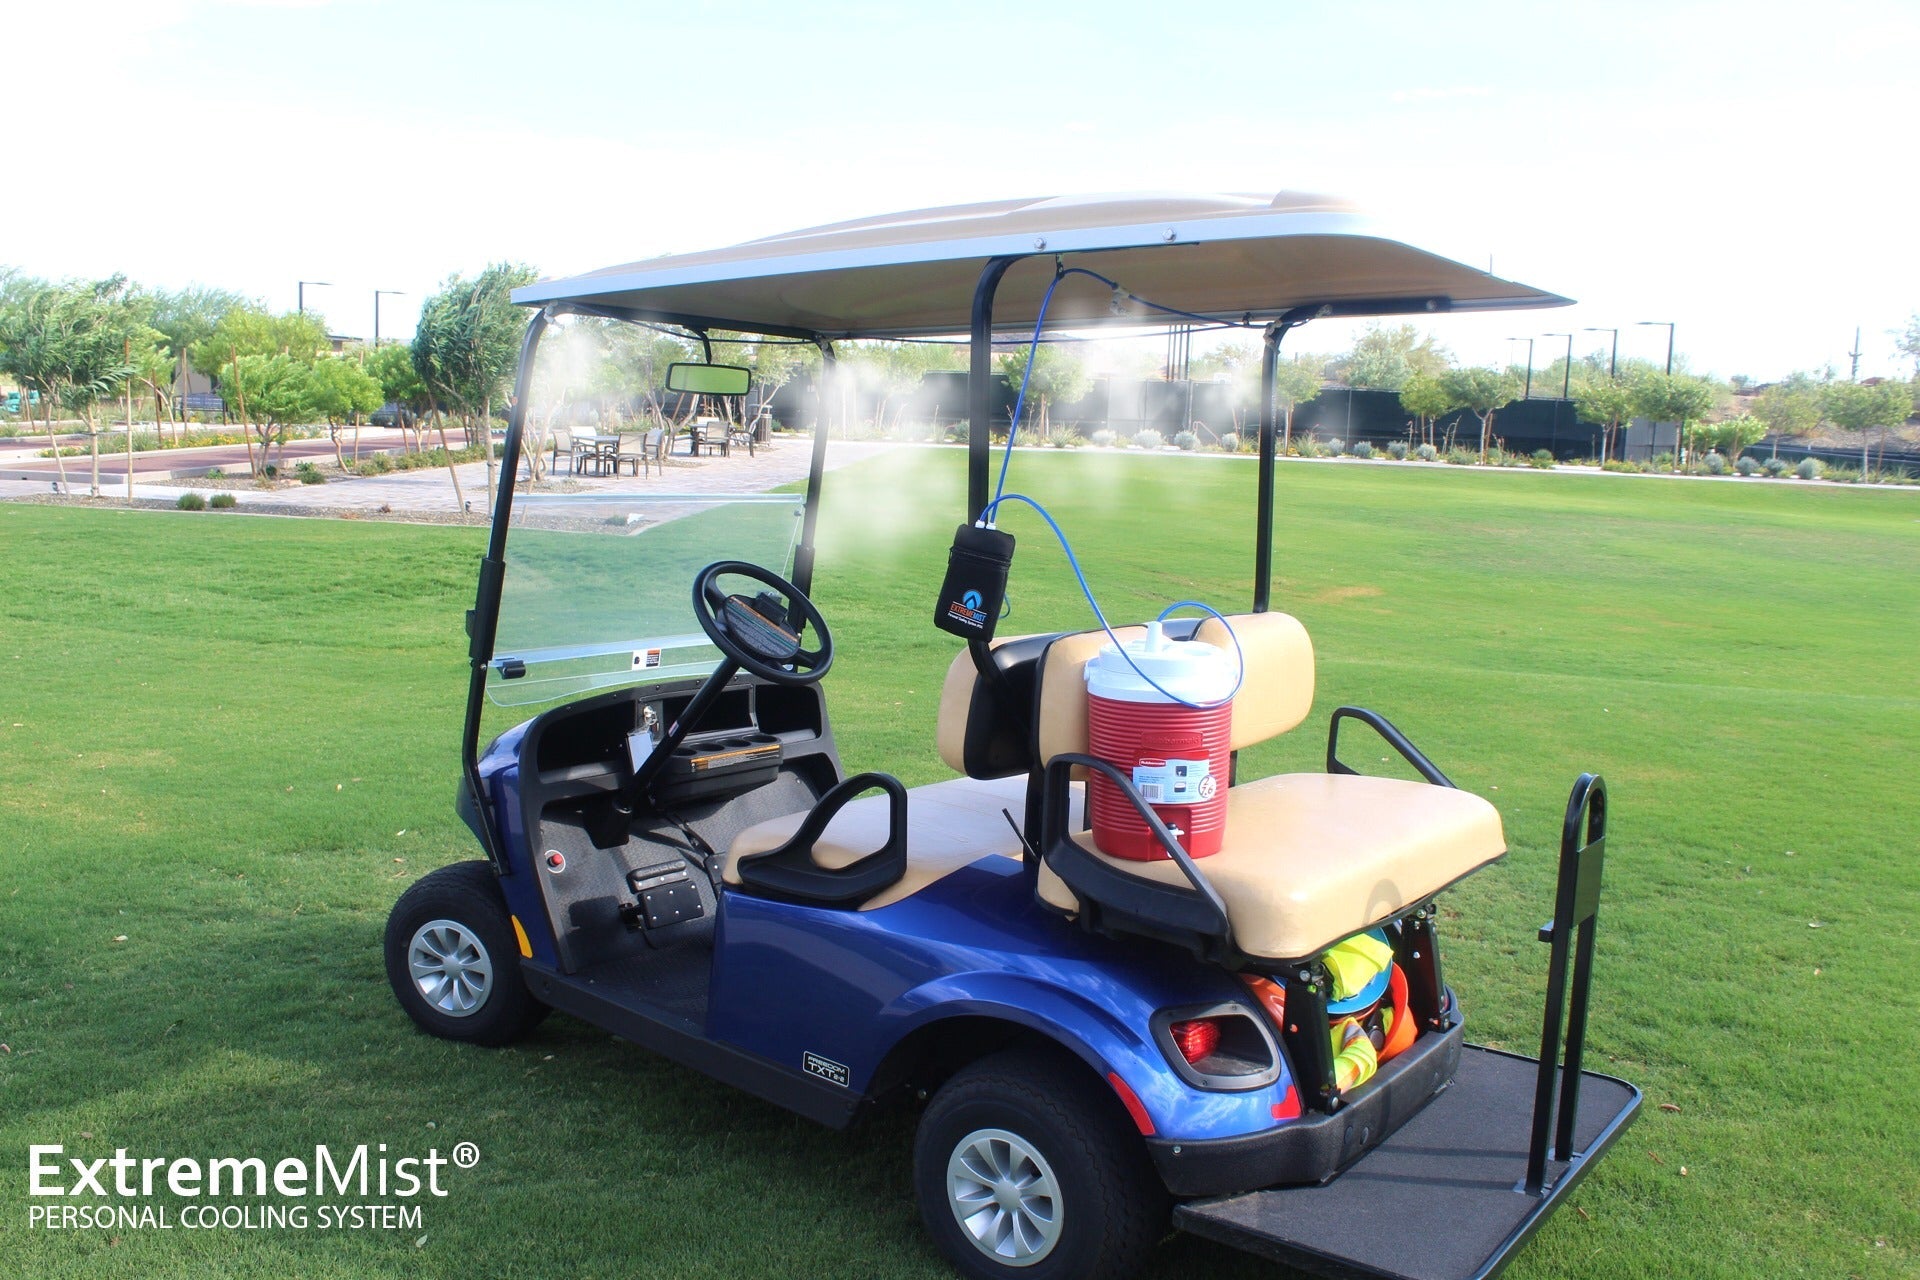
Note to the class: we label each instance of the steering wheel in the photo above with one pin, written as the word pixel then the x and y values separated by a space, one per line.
pixel 761 633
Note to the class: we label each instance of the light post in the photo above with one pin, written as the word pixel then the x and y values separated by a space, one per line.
pixel 1669 327
pixel 1613 360
pixel 391 293
pixel 1566 375
pixel 301 290
pixel 1528 393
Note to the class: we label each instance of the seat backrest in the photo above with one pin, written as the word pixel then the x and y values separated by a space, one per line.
pixel 987 732
pixel 1274 695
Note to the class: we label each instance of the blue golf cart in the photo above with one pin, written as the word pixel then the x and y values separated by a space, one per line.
pixel 1257 1045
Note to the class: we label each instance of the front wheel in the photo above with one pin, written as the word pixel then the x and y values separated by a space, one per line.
pixel 453 961
pixel 1022 1170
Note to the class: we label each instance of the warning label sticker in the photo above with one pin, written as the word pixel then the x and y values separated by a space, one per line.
pixel 1174 781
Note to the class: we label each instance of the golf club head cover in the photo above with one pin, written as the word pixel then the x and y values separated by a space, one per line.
pixel 976 583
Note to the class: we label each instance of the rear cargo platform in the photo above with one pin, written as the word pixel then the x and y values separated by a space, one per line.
pixel 1440 1199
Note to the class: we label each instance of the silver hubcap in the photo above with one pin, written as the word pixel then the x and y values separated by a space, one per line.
pixel 1004 1196
pixel 450 967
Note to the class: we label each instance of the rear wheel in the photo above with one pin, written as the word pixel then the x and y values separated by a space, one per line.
pixel 453 961
pixel 1022 1172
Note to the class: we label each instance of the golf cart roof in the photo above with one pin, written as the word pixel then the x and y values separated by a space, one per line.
pixel 1223 257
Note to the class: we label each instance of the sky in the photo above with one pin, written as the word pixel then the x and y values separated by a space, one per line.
pixel 1743 171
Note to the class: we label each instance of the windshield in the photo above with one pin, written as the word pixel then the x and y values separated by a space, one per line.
pixel 599 586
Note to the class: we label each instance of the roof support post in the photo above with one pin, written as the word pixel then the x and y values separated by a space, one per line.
pixel 980 385
pixel 816 468
pixel 1263 523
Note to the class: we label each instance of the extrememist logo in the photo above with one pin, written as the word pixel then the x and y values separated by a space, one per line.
pixel 120 1190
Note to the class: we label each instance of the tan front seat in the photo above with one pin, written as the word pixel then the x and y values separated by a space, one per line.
pixel 1309 858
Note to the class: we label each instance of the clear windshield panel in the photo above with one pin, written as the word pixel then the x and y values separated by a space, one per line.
pixel 599 587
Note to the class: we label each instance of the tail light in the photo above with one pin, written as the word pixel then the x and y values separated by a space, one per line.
pixel 1195 1038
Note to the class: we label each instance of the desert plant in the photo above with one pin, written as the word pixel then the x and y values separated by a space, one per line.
pixel 1465 457
pixel 1103 438
pixel 1809 469
pixel 1186 441
pixel 1148 439
pixel 216 473
pixel 1230 443
pixel 222 501
pixel 1841 474
pixel 1745 466
pixel 190 502
pixel 1777 467
pixel 1362 449
pixel 1542 459
pixel 308 473
pixel 958 433
pixel 1398 450
pixel 1336 447
pixel 1716 463
pixel 1426 453
pixel 1062 439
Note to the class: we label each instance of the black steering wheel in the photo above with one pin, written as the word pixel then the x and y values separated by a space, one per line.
pixel 761 633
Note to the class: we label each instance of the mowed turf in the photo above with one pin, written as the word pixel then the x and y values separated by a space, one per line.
pixel 228 743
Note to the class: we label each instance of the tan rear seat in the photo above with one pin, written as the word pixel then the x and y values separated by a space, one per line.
pixel 1309 858
pixel 950 825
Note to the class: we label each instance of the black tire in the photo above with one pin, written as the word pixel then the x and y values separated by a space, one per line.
pixel 467 894
pixel 1110 1204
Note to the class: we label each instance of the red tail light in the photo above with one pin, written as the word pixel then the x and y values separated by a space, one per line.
pixel 1195 1039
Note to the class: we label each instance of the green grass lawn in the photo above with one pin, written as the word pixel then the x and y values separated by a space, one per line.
pixel 226 745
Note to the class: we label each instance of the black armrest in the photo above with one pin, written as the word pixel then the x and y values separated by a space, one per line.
pixel 1395 739
pixel 790 871
pixel 1114 900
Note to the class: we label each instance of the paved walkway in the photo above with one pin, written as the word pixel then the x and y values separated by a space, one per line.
pixel 430 490
pixel 20 459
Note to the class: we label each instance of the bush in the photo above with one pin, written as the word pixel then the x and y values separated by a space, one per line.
pixel 1103 437
pixel 1809 469
pixel 1062 439
pixel 1841 475
pixel 216 473
pixel 308 473
pixel 1230 443
pixel 190 502
pixel 958 433
pixel 1149 439
pixel 1745 466
pixel 222 501
pixel 1306 446
pixel 1186 441
pixel 1362 450
pixel 1426 453
pixel 1336 447
pixel 1541 460
pixel 1460 457
pixel 1777 467
pixel 1397 451
pixel 1716 463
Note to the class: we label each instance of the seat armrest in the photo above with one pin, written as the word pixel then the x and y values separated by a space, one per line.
pixel 791 872
pixel 1394 738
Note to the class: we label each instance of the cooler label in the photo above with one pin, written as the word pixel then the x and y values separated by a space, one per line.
pixel 1174 781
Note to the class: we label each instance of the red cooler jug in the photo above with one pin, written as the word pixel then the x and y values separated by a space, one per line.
pixel 1177 755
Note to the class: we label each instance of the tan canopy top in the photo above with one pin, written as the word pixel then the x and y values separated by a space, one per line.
pixel 1226 257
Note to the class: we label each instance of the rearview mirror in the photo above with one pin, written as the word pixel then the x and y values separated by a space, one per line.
pixel 708 379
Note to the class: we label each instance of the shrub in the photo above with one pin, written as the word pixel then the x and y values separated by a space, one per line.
pixel 1103 437
pixel 190 502
pixel 1063 439
pixel 222 501
pixel 1777 467
pixel 1426 453
pixel 1542 459
pixel 1745 466
pixel 216 473
pixel 1363 450
pixel 1336 447
pixel 1460 457
pixel 1841 475
pixel 308 473
pixel 1716 463
pixel 1186 441
pixel 1307 447
pixel 1397 451
pixel 1809 469
pixel 958 433
pixel 1148 439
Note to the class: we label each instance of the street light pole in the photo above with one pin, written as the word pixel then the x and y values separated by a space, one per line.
pixel 1669 326
pixel 1528 393
pixel 1613 361
pixel 391 293
pixel 1566 378
pixel 301 290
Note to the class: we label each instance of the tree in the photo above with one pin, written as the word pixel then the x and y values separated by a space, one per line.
pixel 249 331
pixel 1678 398
pixel 70 342
pixel 341 388
pixel 1385 358
pixel 1295 382
pixel 1059 374
pixel 273 392
pixel 186 316
pixel 1484 391
pixel 464 348
pixel 1729 437
pixel 1853 406
pixel 1908 343
pixel 1426 398
pixel 1606 402
pixel 1790 409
